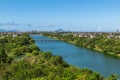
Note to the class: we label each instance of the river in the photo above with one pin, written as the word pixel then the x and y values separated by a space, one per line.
pixel 80 57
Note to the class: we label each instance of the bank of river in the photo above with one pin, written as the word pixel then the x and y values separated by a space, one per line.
pixel 80 57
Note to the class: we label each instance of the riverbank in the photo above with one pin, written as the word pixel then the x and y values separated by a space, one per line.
pixel 102 45
pixel 37 65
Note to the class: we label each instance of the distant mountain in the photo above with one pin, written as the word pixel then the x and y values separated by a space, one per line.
pixel 2 30
pixel 59 30
pixel 12 31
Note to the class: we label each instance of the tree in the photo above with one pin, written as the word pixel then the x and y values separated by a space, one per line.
pixel 3 56
pixel 35 52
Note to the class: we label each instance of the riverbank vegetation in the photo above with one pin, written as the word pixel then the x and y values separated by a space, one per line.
pixel 98 43
pixel 37 65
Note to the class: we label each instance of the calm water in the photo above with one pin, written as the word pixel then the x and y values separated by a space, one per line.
pixel 81 57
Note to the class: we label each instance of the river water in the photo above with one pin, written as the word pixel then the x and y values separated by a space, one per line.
pixel 80 57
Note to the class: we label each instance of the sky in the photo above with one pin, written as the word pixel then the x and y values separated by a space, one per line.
pixel 72 15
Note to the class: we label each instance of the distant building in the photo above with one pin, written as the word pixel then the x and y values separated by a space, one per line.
pixel 117 30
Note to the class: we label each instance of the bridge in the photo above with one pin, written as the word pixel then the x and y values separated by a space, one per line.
pixel 47 40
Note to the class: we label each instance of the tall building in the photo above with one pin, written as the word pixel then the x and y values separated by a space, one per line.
pixel 117 30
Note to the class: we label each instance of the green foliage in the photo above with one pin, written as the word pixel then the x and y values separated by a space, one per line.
pixel 38 65
pixel 4 57
pixel 24 70
pixel 15 46
pixel 98 43
pixel 112 77
pixel 35 52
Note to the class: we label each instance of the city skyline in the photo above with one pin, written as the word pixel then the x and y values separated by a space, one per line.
pixel 73 15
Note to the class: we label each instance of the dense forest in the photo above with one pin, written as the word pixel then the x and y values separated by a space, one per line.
pixel 37 65
pixel 99 43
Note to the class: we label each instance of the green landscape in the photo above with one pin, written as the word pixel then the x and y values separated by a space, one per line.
pixel 36 64
pixel 98 43
pixel 59 39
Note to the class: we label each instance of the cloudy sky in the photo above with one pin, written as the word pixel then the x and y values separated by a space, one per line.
pixel 73 15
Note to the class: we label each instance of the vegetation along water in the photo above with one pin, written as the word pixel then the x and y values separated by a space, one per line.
pixel 36 64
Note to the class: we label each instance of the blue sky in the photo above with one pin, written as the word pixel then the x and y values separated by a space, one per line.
pixel 74 15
